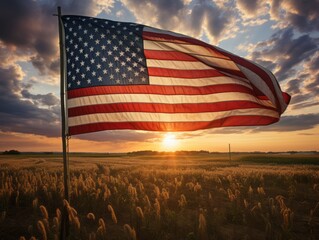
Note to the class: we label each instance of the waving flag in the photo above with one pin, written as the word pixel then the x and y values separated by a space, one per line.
pixel 130 76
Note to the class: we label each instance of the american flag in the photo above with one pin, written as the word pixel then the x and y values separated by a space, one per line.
pixel 130 76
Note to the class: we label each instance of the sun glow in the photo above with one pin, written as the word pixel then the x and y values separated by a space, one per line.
pixel 169 141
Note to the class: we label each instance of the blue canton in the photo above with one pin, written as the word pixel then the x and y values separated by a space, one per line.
pixel 103 53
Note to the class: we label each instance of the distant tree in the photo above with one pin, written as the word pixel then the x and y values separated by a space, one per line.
pixel 11 152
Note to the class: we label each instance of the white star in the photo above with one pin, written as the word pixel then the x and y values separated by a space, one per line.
pixel 133 54
pixel 134 64
pixel 135 74
pixel 124 75
pixel 78 82
pixel 142 69
pixel 91 49
pixel 88 68
pixel 104 71
pixel 82 63
pixel 143 79
pixel 121 53
pixel 109 52
pixel 97 53
pixel 89 81
pixel 91 36
pixel 123 63
pixel 97 41
pixel 92 60
pixel 118 81
pixel 93 73
pixel 140 59
pixel 115 48
pixel 138 49
pixel 98 66
pixel 102 35
pixel 111 76
pixel 103 59
pixel 85 44
pixel 100 79
pixel 130 80
pixel 110 65
pixel 109 41
pixel 116 58
pixel 103 47
pixel 77 70
pixel 82 75
pixel 117 70
pixel 127 49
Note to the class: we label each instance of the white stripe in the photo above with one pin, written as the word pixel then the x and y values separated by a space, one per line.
pixel 165 99
pixel 259 83
pixel 180 65
pixel 167 117
pixel 196 82
pixel 201 53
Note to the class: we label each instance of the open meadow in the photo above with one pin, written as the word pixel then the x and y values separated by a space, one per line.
pixel 152 196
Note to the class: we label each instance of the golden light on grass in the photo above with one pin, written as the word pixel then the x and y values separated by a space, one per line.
pixel 169 141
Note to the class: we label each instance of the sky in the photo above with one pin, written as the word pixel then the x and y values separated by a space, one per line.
pixel 281 35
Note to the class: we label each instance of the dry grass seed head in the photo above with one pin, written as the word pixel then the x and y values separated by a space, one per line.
pixel 113 215
pixel 42 230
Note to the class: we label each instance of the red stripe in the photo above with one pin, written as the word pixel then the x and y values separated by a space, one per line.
pixel 175 126
pixel 259 71
pixel 168 55
pixel 163 108
pixel 187 40
pixel 179 56
pixel 163 72
pixel 155 89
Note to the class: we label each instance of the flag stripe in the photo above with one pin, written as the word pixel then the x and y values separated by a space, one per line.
pixel 201 53
pixel 165 90
pixel 163 72
pixel 198 82
pixel 165 99
pixel 166 36
pixel 166 117
pixel 179 65
pixel 163 108
pixel 173 126
pixel 264 75
pixel 130 76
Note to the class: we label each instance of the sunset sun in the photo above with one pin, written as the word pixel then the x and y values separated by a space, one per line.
pixel 169 141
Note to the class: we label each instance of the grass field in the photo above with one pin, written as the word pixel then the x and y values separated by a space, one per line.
pixel 162 196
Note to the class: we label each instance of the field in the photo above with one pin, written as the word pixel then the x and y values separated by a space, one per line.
pixel 150 196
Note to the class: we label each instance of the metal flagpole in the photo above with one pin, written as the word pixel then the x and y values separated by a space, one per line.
pixel 64 234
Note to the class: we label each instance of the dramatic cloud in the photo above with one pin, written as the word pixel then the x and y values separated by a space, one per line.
pixel 120 136
pixel 285 51
pixel 30 25
pixel 303 15
pixel 24 116
pixel 201 18
pixel 292 123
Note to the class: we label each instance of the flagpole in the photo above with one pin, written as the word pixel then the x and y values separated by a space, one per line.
pixel 65 139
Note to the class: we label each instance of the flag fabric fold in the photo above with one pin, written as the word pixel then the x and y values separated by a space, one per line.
pixel 130 76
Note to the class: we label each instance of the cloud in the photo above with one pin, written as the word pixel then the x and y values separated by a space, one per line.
pixel 292 123
pixel 217 21
pixel 284 52
pixel 120 136
pixel 30 26
pixel 302 15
